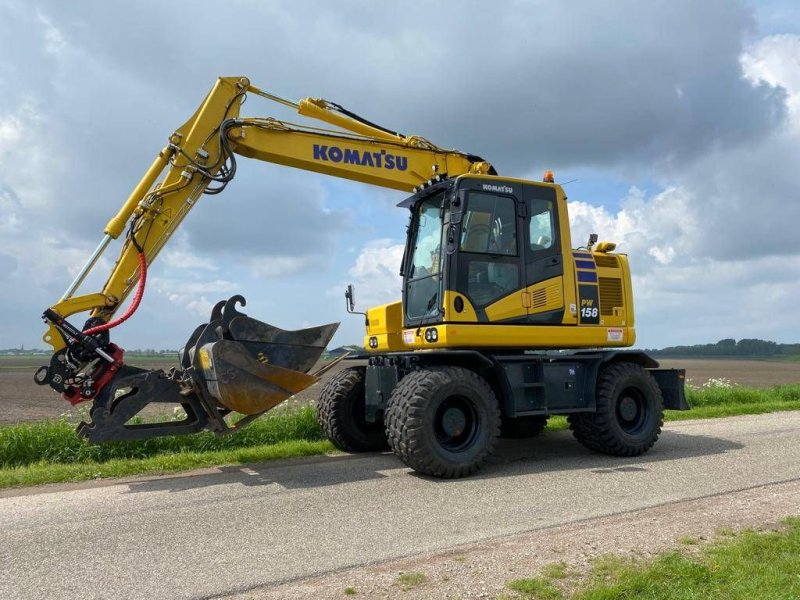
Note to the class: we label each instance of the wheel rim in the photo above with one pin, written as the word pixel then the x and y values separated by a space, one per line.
pixel 456 424
pixel 358 414
pixel 631 410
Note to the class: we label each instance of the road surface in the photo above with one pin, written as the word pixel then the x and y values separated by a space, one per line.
pixel 241 530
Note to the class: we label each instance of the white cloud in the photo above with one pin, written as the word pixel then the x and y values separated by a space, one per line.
pixel 775 60
pixel 54 42
pixel 375 274
pixel 192 296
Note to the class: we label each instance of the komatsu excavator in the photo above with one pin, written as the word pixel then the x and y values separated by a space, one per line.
pixel 501 322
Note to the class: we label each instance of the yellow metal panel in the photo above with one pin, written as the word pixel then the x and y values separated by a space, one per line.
pixel 543 296
pixel 377 162
pixel 69 307
pixel 628 289
pixel 523 336
pixel 467 313
pixel 507 307
pixel 387 318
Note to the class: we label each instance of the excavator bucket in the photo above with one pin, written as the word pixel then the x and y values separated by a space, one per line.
pixel 233 363
pixel 242 383
pixel 248 366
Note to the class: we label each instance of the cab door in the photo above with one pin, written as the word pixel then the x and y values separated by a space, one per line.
pixel 543 295
pixel 490 267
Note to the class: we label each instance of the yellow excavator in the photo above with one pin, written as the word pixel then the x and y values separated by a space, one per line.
pixel 501 323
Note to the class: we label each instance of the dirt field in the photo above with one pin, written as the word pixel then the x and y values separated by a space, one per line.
pixel 748 373
pixel 22 400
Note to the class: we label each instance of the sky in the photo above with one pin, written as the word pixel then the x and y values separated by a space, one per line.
pixel 677 124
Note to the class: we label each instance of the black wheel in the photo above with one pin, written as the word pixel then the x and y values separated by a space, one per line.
pixel 443 421
pixel 522 427
pixel 629 416
pixel 341 414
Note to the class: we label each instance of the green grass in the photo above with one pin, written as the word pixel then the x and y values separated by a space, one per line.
pixel 749 565
pixel 710 403
pixel 535 587
pixel 733 567
pixel 49 451
pixel 408 581
pixel 559 570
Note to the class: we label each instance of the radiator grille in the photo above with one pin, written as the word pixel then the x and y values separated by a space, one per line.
pixel 609 262
pixel 540 298
pixel 610 295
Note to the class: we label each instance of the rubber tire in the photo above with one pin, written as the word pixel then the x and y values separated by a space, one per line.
pixel 601 431
pixel 522 427
pixel 410 416
pixel 341 410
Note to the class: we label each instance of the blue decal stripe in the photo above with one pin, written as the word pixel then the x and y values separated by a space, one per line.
pixel 585 264
pixel 587 276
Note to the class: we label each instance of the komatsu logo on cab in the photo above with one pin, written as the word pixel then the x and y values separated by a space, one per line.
pixel 348 156
pixel 500 189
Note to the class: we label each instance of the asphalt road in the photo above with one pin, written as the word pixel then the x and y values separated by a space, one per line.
pixel 240 529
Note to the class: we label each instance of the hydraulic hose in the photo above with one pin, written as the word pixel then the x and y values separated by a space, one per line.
pixel 137 299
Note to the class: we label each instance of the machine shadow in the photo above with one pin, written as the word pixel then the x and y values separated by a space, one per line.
pixel 552 452
pixel 555 451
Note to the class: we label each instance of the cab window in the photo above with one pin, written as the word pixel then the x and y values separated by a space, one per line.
pixel 542 226
pixel 489 225
pixel 489 230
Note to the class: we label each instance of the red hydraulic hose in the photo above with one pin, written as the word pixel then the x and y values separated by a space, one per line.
pixel 134 303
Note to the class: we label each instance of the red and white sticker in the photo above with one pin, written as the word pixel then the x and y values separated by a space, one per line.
pixel 614 334
pixel 408 337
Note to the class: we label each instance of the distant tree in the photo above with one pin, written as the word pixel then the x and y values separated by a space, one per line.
pixel 730 347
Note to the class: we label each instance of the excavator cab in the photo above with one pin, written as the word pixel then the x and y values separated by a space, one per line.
pixel 489 262
pixel 475 247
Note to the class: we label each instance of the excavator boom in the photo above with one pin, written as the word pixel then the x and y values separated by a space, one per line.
pixel 233 363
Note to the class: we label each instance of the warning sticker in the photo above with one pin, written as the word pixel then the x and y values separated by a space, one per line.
pixel 408 336
pixel 614 334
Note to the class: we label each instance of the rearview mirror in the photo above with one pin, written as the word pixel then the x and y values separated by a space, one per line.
pixel 349 296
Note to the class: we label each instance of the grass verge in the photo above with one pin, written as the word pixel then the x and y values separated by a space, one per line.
pixel 740 567
pixel 49 451
pixel 715 402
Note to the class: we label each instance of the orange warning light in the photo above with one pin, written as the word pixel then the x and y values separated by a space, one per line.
pixel 549 177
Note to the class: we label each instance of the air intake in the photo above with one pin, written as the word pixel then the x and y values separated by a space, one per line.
pixel 610 295
pixel 609 262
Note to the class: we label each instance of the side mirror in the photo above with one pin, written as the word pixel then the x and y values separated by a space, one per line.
pixel 349 297
pixel 592 241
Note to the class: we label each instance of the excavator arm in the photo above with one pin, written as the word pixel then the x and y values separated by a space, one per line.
pixel 233 363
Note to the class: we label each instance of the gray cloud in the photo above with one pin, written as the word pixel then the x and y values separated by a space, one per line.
pixel 525 83
pixel 266 212
pixel 653 90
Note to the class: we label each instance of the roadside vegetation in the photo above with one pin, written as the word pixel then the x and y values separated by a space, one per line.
pixel 741 566
pixel 49 451
pixel 721 398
